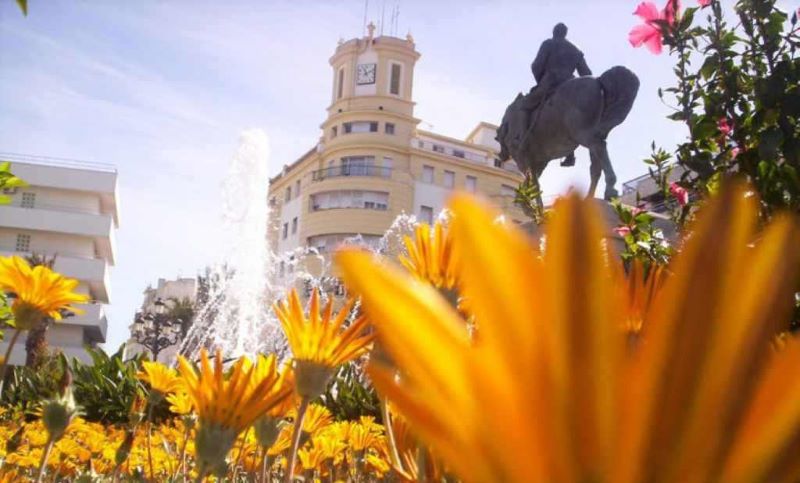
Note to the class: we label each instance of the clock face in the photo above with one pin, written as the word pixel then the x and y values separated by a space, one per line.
pixel 365 74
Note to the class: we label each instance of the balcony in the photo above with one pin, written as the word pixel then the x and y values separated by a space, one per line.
pixel 338 171
pixel 47 218
pixel 92 271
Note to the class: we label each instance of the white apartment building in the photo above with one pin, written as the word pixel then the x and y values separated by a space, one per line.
pixel 166 290
pixel 68 210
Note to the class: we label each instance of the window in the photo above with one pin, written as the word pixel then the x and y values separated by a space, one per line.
pixel 388 163
pixel 389 128
pixel 426 214
pixel 421 144
pixel 294 225
pixel 394 82
pixel 297 188
pixel 449 179
pixel 437 148
pixel 340 88
pixel 506 190
pixel 471 184
pixel 334 131
pixel 288 196
pixel 358 166
pixel 370 200
pixel 282 269
pixel 325 243
pixel 427 174
pixel 285 230
pixel 23 243
pixel 458 153
pixel 360 126
pixel 28 200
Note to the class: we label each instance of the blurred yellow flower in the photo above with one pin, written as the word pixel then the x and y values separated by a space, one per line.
pixel 548 392
pixel 430 256
pixel 180 403
pixel 38 292
pixel 162 379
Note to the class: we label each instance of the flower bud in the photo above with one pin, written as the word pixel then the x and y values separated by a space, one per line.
pixel 58 413
pixel 311 378
pixel 212 444
pixel 267 430
pixel 124 449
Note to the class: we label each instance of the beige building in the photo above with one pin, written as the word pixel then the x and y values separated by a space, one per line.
pixel 68 210
pixel 373 163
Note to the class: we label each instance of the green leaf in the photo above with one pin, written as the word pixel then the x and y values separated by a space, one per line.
pixel 23 5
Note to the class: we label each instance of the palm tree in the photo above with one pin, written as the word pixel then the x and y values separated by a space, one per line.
pixel 35 343
pixel 181 310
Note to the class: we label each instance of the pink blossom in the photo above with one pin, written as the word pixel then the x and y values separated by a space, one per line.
pixel 636 210
pixel 724 126
pixel 704 3
pixel 649 33
pixel 680 193
pixel 735 152
pixel 622 231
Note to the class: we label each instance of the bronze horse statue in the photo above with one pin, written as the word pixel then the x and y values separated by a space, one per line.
pixel 580 112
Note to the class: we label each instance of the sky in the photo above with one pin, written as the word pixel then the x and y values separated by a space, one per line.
pixel 163 89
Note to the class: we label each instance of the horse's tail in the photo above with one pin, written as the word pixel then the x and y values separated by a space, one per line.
pixel 620 87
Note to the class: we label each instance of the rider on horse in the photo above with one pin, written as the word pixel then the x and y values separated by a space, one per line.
pixel 555 63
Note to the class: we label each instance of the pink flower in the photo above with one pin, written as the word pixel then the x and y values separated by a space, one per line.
pixel 735 152
pixel 649 33
pixel 680 193
pixel 622 231
pixel 636 210
pixel 724 126
pixel 704 3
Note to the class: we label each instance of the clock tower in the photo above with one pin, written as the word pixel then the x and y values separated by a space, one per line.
pixel 373 73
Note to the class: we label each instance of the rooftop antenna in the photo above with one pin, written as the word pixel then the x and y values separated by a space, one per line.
pixel 383 9
pixel 397 18
pixel 364 26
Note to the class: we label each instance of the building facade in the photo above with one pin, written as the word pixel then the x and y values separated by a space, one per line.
pixel 373 162
pixel 68 211
pixel 169 292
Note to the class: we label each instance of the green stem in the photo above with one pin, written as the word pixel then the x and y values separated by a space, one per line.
pixel 45 455
pixel 149 433
pixel 4 364
pixel 298 430
pixel 182 467
pixel 264 465
pixel 387 424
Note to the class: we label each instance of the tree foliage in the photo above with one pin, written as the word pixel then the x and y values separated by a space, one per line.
pixel 738 92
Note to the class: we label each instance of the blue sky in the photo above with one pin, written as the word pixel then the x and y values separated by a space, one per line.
pixel 163 89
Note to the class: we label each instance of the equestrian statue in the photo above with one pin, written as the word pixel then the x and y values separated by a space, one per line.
pixel 563 112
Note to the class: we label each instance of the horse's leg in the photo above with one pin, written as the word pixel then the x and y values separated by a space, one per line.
pixel 595 168
pixel 608 171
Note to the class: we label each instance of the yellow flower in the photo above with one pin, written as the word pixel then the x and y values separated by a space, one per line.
pixel 319 343
pixel 180 403
pixel 161 378
pixel 39 292
pixel 548 392
pixel 362 437
pixel 317 417
pixel 227 406
pixel 430 256
pixel 643 287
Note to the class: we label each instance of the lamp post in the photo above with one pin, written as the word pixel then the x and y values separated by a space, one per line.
pixel 156 330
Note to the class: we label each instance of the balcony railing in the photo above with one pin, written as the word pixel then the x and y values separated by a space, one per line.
pixel 337 171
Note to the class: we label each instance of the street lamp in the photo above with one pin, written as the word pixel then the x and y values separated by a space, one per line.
pixel 156 330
